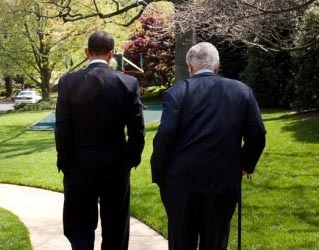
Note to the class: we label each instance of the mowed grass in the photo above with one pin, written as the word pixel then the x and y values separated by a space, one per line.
pixel 280 204
pixel 27 157
pixel 13 234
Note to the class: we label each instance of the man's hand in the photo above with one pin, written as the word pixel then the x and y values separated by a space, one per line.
pixel 247 175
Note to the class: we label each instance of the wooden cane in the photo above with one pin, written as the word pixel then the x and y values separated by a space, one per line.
pixel 239 217
pixel 240 208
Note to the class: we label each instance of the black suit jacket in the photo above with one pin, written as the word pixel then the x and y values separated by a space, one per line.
pixel 198 145
pixel 94 107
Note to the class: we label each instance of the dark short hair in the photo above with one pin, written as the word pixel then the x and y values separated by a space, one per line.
pixel 100 43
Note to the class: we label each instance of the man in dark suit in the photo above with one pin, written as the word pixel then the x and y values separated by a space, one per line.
pixel 94 107
pixel 198 158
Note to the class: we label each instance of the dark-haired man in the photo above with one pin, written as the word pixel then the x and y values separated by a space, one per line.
pixel 94 107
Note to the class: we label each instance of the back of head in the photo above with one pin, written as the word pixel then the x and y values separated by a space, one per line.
pixel 203 55
pixel 100 43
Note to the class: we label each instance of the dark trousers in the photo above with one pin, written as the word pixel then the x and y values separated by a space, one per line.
pixel 82 192
pixel 197 217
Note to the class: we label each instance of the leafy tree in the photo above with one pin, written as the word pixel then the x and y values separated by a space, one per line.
pixel 38 46
pixel 154 47
pixel 32 46
pixel 252 22
pixel 8 86
pixel 236 19
pixel 7 69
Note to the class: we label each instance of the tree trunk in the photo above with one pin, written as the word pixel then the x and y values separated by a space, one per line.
pixel 45 83
pixel 183 43
pixel 8 85
pixel 45 72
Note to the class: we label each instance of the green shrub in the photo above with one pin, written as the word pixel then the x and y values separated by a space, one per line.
pixel 42 105
pixel 3 93
pixel 270 75
pixel 307 79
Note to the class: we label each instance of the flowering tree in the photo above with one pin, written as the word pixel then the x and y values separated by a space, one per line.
pixel 153 49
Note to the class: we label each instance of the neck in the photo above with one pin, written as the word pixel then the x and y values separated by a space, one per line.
pixel 104 58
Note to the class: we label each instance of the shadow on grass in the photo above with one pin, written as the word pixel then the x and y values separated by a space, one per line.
pixel 305 128
pixel 275 114
pixel 12 132
pixel 10 147
pixel 301 216
pixel 12 152
pixel 279 118
pixel 15 146
pixel 295 204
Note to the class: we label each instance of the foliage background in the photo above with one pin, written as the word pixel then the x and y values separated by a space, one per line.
pixel 154 46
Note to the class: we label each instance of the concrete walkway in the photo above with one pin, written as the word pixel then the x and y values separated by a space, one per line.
pixel 41 212
pixel 6 105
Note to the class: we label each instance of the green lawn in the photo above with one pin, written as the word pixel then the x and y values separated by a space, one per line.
pixel 280 204
pixel 13 234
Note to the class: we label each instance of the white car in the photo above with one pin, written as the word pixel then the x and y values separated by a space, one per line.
pixel 28 96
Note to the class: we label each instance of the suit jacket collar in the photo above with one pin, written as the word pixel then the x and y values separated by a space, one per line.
pixel 97 64
pixel 202 74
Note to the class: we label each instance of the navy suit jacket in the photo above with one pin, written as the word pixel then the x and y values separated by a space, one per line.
pixel 208 134
pixel 94 107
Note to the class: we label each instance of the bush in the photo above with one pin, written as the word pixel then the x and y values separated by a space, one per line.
pixel 233 56
pixel 307 79
pixel 3 93
pixel 270 75
pixel 42 105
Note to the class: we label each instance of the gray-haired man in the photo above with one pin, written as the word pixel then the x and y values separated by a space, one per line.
pixel 198 158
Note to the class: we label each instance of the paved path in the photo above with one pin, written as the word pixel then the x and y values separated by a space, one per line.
pixel 5 105
pixel 41 212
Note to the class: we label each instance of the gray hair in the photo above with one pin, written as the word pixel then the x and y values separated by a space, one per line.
pixel 203 55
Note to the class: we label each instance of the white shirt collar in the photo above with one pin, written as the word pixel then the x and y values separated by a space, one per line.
pixel 203 71
pixel 97 61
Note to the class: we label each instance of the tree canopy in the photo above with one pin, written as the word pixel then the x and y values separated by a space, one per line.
pixel 37 46
pixel 269 24
pixel 262 23
pixel 154 47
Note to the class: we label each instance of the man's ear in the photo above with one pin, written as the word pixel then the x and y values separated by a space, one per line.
pixel 109 55
pixel 190 70
pixel 216 70
pixel 87 52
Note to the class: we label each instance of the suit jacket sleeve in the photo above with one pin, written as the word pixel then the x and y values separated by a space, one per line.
pixel 135 128
pixel 165 138
pixel 63 127
pixel 254 136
